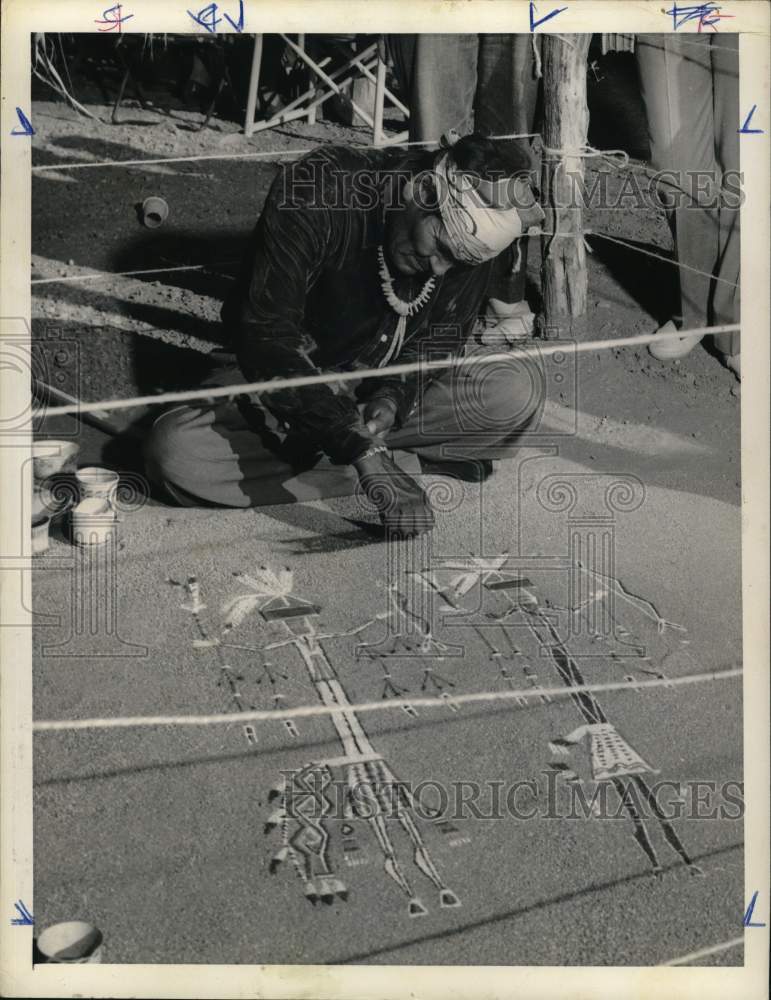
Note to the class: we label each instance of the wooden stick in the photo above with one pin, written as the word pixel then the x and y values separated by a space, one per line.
pixel 370 76
pixel 326 78
pixel 377 128
pixel 101 420
pixel 565 127
pixel 254 85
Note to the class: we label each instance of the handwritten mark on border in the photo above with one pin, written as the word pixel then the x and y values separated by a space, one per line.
pixel 26 125
pixel 207 18
pixel 707 15
pixel 536 22
pixel 748 922
pixel 25 918
pixel 745 129
pixel 113 22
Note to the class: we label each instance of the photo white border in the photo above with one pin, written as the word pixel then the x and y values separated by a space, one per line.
pixel 19 20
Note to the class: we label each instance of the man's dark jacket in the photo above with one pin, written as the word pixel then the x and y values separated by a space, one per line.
pixel 309 296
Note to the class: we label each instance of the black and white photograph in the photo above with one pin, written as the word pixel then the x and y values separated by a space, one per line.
pixel 385 495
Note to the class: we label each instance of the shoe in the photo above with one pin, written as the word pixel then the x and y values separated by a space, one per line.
pixel 672 349
pixel 507 322
pixel 734 363
pixel 467 470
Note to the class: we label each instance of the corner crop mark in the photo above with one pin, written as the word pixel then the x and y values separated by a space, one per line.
pixel 26 125
pixel 745 129
pixel 25 918
pixel 537 22
pixel 748 921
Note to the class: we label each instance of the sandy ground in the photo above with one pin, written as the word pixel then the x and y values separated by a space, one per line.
pixel 156 835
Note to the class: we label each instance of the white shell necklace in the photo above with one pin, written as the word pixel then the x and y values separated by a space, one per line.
pixel 400 307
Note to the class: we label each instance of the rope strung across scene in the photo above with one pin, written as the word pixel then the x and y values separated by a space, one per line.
pixel 617 157
pixel 328 378
pixel 254 155
pixel 101 275
pixel 306 711
pixel 658 256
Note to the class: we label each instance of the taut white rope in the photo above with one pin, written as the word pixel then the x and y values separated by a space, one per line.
pixel 101 275
pixel 532 232
pixel 658 256
pixel 253 155
pixel 408 368
pixel 304 711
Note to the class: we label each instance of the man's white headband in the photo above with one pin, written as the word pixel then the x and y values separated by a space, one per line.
pixel 481 217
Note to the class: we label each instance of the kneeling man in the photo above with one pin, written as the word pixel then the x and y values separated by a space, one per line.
pixel 361 259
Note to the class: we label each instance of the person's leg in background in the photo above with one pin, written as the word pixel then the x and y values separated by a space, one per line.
pixel 676 78
pixel 437 75
pixel 726 293
pixel 679 90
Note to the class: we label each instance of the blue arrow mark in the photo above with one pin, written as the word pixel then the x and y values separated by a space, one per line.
pixel 26 126
pixel 744 130
pixel 541 20
pixel 750 910
pixel 25 918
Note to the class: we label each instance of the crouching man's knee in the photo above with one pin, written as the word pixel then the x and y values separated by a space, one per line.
pixel 177 456
pixel 500 398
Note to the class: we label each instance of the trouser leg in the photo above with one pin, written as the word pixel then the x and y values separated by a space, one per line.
pixel 726 294
pixel 676 77
pixel 233 454
pixel 475 412
pixel 438 74
pixel 218 455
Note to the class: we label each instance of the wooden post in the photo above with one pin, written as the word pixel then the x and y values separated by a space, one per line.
pixel 311 115
pixel 565 127
pixel 380 78
pixel 254 84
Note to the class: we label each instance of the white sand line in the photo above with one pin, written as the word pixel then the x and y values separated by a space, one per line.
pixel 128 294
pixel 629 436
pixel 67 154
pixel 96 319
pixel 61 177
pixel 703 952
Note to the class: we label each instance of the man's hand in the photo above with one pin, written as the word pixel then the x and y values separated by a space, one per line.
pixel 403 506
pixel 380 415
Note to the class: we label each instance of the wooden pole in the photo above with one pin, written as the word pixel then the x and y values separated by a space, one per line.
pixel 380 78
pixel 565 128
pixel 254 84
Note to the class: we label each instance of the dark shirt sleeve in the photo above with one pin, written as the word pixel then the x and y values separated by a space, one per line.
pixel 449 328
pixel 296 236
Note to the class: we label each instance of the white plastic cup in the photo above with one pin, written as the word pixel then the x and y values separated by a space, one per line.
pixel 94 481
pixel 93 521
pixel 154 212
pixel 40 537
pixel 74 942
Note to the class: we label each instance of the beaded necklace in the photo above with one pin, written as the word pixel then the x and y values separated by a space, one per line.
pixel 400 307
